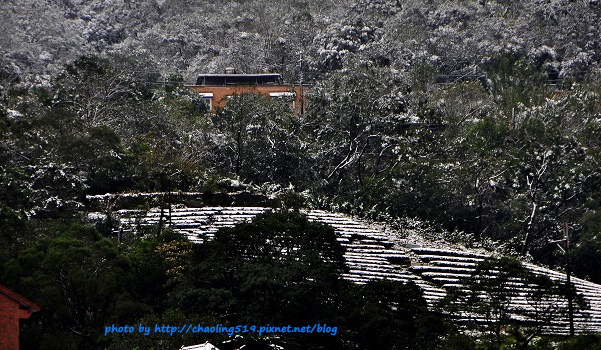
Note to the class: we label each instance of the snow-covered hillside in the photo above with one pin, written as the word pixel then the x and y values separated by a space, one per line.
pixel 372 253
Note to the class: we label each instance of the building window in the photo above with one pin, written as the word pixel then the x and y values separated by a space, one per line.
pixel 286 96
pixel 207 100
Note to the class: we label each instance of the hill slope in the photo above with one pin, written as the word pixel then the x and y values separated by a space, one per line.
pixel 372 252
pixel 189 37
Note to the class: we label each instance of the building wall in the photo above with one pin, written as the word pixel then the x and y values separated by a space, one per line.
pixel 10 313
pixel 221 92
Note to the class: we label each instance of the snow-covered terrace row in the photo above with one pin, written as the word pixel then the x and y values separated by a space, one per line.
pixel 446 268
pixel 369 254
pixel 368 250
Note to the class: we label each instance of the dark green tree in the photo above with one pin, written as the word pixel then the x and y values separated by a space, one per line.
pixel 509 303
pixel 82 283
pixel 278 269
pixel 258 139
pixel 390 315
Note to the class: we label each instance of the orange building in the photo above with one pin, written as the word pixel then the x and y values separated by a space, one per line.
pixel 13 307
pixel 215 88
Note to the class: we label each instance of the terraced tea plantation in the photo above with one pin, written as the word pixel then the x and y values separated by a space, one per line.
pixel 371 253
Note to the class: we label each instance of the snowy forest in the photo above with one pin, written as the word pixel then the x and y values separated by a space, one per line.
pixel 475 120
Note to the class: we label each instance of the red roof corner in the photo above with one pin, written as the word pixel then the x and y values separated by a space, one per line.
pixel 19 299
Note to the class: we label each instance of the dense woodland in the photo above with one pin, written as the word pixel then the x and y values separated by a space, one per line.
pixel 481 120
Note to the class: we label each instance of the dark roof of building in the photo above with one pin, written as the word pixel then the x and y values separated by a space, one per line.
pixel 239 79
pixel 19 299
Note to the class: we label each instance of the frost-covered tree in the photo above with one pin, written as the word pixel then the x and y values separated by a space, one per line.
pixel 489 302
pixel 258 139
